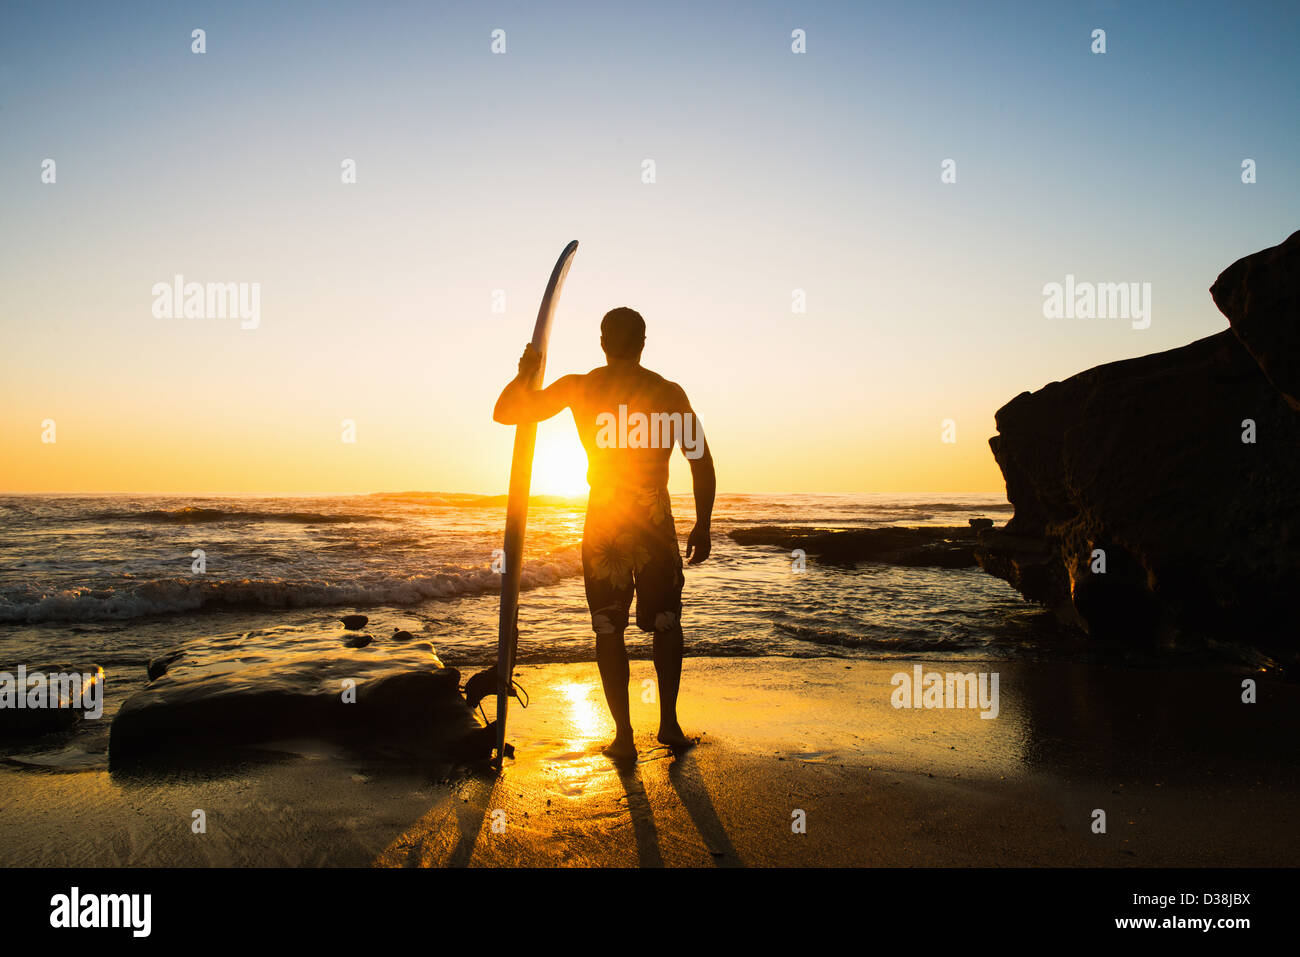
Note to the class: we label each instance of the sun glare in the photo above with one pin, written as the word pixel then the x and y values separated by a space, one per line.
pixel 559 466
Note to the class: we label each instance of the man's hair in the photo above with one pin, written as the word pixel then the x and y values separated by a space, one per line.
pixel 622 333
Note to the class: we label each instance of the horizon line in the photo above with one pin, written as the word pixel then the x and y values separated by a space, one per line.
pixel 335 494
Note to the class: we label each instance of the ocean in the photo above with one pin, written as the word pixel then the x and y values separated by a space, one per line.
pixel 112 579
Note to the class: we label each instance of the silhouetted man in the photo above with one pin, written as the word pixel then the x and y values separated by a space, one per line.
pixel 629 420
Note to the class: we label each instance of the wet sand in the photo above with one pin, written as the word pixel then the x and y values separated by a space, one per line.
pixel 1186 773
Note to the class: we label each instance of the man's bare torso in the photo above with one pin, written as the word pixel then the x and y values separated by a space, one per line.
pixel 626 394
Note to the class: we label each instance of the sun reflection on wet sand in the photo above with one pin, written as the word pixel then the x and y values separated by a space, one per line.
pixel 584 729
pixel 585 721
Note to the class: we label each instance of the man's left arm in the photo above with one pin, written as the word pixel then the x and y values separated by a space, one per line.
pixel 704 484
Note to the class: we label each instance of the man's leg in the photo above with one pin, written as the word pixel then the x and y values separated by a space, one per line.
pixel 668 668
pixel 611 658
pixel 608 598
pixel 659 610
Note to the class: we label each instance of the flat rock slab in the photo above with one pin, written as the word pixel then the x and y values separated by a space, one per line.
pixel 258 688
pixel 932 546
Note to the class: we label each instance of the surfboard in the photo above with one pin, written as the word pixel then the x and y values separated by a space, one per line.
pixel 521 480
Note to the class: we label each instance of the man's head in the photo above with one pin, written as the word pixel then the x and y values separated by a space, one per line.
pixel 622 333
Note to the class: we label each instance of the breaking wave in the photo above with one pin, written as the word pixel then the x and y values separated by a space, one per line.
pixel 192 515
pixel 171 596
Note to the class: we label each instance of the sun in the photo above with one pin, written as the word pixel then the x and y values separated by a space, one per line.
pixel 559 464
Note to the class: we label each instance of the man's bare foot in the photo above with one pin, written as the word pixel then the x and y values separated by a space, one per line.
pixel 622 748
pixel 673 736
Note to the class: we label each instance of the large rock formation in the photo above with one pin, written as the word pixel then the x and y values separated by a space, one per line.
pixel 1146 460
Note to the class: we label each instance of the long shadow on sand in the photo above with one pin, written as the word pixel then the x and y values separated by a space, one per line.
pixel 471 814
pixel 643 818
pixel 685 777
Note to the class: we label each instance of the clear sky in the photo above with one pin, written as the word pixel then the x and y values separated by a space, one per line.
pixel 775 171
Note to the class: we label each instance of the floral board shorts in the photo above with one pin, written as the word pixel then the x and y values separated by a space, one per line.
pixel 629 545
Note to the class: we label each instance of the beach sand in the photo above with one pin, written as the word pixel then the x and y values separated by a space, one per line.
pixel 1185 772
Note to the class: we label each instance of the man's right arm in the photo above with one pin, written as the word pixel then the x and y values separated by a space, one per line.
pixel 521 402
